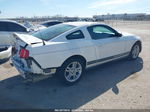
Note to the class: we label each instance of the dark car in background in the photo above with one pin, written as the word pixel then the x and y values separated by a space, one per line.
pixel 50 23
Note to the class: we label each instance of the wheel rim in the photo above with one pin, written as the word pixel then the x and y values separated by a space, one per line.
pixel 73 71
pixel 135 51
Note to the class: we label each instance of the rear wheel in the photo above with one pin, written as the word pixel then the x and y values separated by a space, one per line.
pixel 71 71
pixel 135 51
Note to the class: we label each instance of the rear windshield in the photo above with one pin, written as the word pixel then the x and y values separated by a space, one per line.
pixel 53 31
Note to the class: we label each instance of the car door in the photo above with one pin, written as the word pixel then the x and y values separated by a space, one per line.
pixel 109 43
pixel 14 27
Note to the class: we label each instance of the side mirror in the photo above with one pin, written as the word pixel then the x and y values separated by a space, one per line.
pixel 118 35
pixel 29 30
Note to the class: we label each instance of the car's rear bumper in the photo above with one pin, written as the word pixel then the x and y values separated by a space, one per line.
pixel 4 54
pixel 27 73
pixel 24 71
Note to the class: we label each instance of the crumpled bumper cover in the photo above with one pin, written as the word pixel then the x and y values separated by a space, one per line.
pixel 24 71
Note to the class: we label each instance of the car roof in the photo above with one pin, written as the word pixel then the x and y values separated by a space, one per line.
pixel 79 24
pixel 8 21
pixel 12 22
pixel 50 21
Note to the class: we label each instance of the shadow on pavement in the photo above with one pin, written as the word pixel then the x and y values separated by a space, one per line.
pixel 50 93
pixel 2 61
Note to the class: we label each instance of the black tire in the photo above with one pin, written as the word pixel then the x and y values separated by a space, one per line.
pixel 132 56
pixel 61 72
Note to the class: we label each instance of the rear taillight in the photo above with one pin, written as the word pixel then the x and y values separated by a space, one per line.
pixel 24 53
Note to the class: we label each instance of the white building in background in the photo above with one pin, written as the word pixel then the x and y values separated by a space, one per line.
pixel 136 16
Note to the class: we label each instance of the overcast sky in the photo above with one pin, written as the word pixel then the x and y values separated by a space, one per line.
pixel 83 8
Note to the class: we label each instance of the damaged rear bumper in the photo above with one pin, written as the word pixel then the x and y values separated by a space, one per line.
pixel 24 71
pixel 28 74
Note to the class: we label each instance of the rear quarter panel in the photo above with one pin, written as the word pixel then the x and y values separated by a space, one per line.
pixel 6 38
pixel 55 54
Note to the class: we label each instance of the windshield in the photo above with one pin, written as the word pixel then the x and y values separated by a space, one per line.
pixel 53 31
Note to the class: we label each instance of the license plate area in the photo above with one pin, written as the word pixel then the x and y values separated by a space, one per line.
pixel 18 62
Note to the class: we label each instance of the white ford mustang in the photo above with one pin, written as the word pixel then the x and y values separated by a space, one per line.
pixel 70 48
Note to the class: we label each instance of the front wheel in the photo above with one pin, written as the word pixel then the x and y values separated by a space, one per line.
pixel 71 71
pixel 135 52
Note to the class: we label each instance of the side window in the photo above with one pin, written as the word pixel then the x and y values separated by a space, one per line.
pixel 75 35
pixel 101 31
pixel 3 26
pixel 16 27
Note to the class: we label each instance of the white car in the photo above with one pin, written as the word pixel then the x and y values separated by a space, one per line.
pixel 45 25
pixel 5 52
pixel 7 28
pixel 70 48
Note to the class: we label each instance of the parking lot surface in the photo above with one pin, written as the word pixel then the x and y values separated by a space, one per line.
pixel 121 84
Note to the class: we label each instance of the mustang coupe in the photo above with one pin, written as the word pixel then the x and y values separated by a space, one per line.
pixel 69 48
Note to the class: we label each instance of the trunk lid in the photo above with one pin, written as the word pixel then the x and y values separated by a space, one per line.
pixel 25 39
